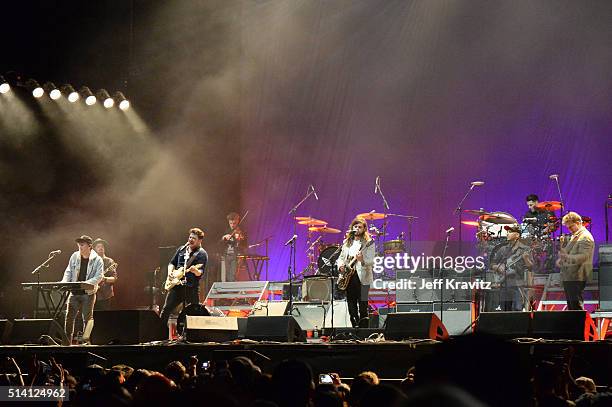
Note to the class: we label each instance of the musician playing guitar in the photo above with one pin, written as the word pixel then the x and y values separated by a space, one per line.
pixel 356 247
pixel 188 265
pixel 512 263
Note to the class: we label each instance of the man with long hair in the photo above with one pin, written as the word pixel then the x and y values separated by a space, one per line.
pixel 358 246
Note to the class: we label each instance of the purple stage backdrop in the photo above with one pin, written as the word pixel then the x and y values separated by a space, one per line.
pixel 429 96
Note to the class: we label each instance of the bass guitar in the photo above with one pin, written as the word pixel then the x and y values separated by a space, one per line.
pixel 176 277
pixel 350 268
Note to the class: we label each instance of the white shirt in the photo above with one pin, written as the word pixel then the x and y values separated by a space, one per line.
pixel 364 270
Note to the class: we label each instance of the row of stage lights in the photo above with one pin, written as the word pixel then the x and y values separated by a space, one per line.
pixel 71 94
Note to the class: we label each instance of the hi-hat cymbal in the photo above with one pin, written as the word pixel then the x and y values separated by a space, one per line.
pixel 499 219
pixel 549 206
pixel 323 229
pixel 470 222
pixel 476 211
pixel 372 216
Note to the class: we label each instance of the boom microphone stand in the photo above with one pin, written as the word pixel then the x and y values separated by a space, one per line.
pixel 44 264
pixel 291 268
pixel 378 190
pixel 555 177
pixel 459 208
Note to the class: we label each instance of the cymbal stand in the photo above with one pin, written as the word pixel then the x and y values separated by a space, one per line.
pixel 459 210
pixel 409 218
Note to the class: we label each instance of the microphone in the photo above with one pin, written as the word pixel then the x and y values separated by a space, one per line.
pixel 291 240
pixel 314 192
pixel 55 253
pixel 477 183
pixel 554 176
pixel 449 230
pixel 377 187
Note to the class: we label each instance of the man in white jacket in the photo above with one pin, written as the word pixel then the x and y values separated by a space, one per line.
pixel 84 265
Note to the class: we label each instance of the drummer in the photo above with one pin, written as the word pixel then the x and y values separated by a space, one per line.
pixel 537 217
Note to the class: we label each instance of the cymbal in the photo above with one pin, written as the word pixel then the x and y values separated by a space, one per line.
pixel 305 220
pixel 313 222
pixel 476 211
pixel 470 222
pixel 498 219
pixel 323 229
pixel 372 216
pixel 549 206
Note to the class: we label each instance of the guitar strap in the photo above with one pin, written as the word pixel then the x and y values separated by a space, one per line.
pixel 192 258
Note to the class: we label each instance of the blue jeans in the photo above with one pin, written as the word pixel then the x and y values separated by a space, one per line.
pixel 85 304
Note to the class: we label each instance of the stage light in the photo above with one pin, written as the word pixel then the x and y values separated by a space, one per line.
pixel 121 101
pixel 70 93
pixel 86 94
pixel 35 88
pixel 52 90
pixel 107 101
pixel 4 85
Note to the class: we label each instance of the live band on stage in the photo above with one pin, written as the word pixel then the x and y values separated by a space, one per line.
pixel 514 251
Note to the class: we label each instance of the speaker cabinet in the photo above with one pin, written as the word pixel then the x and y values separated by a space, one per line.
pixel 605 286
pixel 316 289
pixel 576 325
pixel 214 329
pixel 417 325
pixel 269 308
pixel 277 329
pixel 26 331
pixel 127 327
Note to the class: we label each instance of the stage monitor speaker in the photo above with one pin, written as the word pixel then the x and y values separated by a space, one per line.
pixel 5 330
pixel 269 308
pixel 511 324
pixel 605 285
pixel 416 325
pixel 278 329
pixel 26 331
pixel 311 315
pixel 214 329
pixel 127 327
pixel 316 289
pixel 576 325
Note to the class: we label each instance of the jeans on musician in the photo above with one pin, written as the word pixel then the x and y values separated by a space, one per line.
pixel 175 298
pixel 357 301
pixel 85 304
pixel 231 262
pixel 573 294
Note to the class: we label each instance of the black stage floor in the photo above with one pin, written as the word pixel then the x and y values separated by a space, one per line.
pixel 389 359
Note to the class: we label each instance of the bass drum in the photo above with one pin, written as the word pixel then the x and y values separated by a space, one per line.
pixel 327 260
pixel 488 230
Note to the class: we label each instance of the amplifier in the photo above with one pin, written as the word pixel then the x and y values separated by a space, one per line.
pixel 456 316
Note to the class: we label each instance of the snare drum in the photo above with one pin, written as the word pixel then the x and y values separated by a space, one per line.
pixel 394 246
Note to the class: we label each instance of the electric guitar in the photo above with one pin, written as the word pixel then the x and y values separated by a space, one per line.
pixel 350 268
pixel 176 277
pixel 109 272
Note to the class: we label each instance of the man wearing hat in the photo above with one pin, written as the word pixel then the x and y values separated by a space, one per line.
pixel 84 265
pixel 106 292
pixel 512 261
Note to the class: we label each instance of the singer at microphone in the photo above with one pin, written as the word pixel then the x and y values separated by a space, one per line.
pixel 355 265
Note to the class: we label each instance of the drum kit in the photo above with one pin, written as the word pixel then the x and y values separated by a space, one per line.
pixel 322 255
pixel 493 228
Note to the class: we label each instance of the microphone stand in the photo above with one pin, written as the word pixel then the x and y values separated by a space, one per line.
pixel 607 206
pixel 560 196
pixel 44 264
pixel 331 278
pixel 292 253
pixel 441 280
pixel 459 210
pixel 386 206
